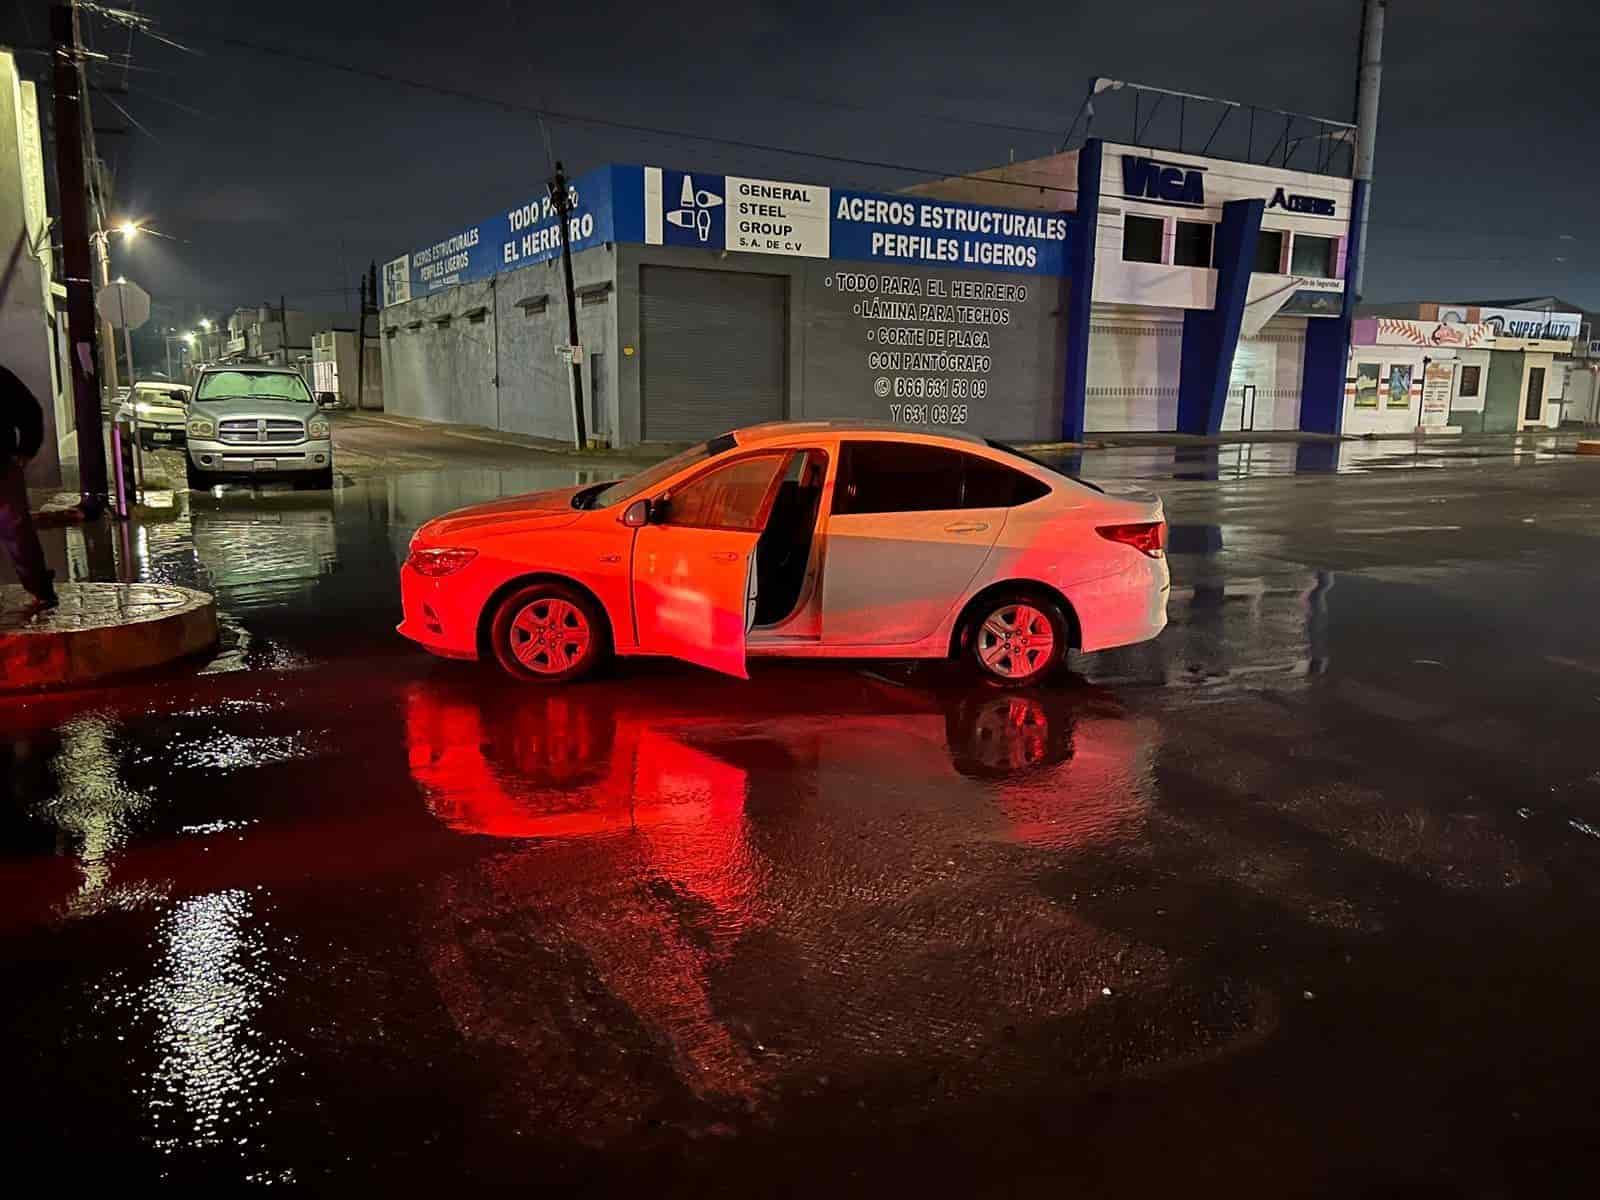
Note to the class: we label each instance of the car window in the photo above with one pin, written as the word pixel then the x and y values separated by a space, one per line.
pixel 727 497
pixel 988 484
pixel 890 477
pixel 231 385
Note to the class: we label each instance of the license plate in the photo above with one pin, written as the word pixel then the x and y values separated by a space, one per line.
pixel 160 437
pixel 266 464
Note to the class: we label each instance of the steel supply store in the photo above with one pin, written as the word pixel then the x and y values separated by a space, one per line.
pixel 1208 294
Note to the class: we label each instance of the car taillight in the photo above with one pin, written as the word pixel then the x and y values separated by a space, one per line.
pixel 1147 537
pixel 439 562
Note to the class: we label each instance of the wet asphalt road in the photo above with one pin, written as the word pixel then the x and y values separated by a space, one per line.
pixel 1298 900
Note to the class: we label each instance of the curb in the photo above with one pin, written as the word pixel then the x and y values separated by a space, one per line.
pixel 100 630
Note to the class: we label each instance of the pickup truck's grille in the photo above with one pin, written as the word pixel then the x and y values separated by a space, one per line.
pixel 253 431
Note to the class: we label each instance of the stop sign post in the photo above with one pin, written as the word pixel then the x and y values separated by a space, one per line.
pixel 126 306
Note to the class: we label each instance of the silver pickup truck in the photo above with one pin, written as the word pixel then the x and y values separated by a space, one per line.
pixel 258 423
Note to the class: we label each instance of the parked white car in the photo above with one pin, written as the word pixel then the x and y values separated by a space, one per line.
pixel 260 423
pixel 812 539
pixel 163 413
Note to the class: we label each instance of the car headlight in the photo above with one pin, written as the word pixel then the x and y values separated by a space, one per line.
pixel 442 560
pixel 317 428
pixel 202 427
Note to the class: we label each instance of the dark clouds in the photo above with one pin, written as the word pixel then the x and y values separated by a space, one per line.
pixel 289 178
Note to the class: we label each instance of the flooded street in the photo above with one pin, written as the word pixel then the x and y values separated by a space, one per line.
pixel 1300 897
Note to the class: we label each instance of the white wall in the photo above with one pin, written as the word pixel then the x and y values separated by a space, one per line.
pixel 1273 362
pixel 1133 371
pixel 1119 282
pixel 25 315
pixel 1385 418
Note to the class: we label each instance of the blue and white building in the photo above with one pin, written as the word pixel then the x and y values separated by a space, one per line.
pixel 1109 288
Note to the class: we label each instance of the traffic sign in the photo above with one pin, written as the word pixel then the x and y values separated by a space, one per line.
pixel 123 304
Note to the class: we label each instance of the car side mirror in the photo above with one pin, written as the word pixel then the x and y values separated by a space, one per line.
pixel 637 514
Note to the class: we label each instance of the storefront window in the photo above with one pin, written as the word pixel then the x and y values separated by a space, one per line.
pixel 1192 245
pixel 1315 257
pixel 1367 376
pixel 1269 252
pixel 1141 239
pixel 1471 377
pixel 1400 385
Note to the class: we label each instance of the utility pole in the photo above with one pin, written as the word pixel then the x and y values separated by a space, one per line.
pixel 1368 79
pixel 562 200
pixel 361 343
pixel 76 259
pixel 283 327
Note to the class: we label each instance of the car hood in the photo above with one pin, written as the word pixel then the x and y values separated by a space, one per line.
pixel 244 406
pixel 169 414
pixel 512 514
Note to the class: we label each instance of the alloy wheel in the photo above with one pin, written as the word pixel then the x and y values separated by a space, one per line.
pixel 1015 641
pixel 550 635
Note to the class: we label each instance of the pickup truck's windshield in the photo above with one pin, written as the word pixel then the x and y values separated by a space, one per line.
pixel 234 385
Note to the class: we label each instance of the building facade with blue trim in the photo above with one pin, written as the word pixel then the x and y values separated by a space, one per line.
pixel 1005 303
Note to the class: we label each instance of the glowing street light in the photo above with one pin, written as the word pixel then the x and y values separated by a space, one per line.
pixel 127 229
pixel 205 323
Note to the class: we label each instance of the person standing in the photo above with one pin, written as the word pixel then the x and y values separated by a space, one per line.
pixel 21 435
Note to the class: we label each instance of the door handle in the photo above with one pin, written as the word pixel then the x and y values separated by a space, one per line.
pixel 725 555
pixel 967 527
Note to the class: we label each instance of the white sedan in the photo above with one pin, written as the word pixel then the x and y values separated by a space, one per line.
pixel 813 539
pixel 162 409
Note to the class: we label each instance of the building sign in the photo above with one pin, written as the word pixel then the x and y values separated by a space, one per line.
pixel 655 206
pixel 929 346
pixel 518 236
pixel 1167 183
pixel 1315 206
pixel 397 280
pixel 1400 385
pixel 1393 331
pixel 1436 378
pixel 1367 384
pixel 1515 322
pixel 1316 301
pixel 766 216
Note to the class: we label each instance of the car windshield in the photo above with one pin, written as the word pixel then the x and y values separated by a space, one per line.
pixel 633 485
pixel 261 385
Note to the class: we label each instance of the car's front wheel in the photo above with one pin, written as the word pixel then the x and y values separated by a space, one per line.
pixel 549 633
pixel 1017 638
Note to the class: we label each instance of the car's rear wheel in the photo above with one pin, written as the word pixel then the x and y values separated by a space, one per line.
pixel 1017 638
pixel 549 633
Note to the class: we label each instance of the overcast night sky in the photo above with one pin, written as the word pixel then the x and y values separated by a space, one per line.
pixel 285 177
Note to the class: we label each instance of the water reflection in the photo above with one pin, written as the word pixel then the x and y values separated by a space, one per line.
pixel 213 1061
pixel 752 900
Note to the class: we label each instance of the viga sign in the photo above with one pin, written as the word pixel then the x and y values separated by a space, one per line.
pixel 1170 183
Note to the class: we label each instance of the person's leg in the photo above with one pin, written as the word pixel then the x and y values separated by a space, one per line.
pixel 19 539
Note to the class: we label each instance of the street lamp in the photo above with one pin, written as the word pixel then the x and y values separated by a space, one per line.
pixel 101 237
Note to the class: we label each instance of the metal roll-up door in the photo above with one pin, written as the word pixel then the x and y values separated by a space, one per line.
pixel 1273 362
pixel 1133 376
pixel 714 347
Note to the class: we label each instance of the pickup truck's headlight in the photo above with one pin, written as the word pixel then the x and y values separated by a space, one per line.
pixel 202 427
pixel 317 428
